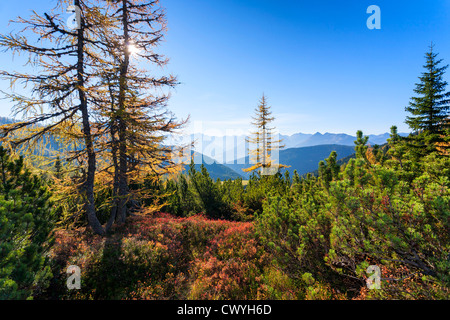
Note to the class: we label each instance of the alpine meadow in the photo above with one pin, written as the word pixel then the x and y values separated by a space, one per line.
pixel 106 192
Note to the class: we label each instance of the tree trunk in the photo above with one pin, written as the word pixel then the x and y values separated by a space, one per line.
pixel 115 205
pixel 90 176
pixel 123 161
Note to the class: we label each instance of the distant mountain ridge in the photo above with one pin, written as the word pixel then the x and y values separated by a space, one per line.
pixel 5 120
pixel 236 145
pixel 215 169
pixel 306 140
pixel 304 159
pixel 225 157
pixel 228 148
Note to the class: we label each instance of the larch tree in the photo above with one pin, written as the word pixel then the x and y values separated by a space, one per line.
pixel 265 145
pixel 64 79
pixel 135 102
pixel 430 109
pixel 91 91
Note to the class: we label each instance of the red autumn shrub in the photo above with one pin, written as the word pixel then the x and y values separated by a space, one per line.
pixel 162 257
pixel 232 266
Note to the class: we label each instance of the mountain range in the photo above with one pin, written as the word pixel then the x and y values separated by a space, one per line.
pixel 304 159
pixel 226 156
pixel 306 140
pixel 301 152
pixel 226 148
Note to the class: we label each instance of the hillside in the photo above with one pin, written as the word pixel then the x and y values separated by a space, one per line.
pixel 48 141
pixel 225 148
pixel 215 170
pixel 303 160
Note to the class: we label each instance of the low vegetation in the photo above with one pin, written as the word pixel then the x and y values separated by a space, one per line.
pixel 114 203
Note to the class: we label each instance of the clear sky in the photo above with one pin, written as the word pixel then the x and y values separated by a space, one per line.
pixel 320 66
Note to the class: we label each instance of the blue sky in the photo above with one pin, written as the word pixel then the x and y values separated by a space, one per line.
pixel 321 68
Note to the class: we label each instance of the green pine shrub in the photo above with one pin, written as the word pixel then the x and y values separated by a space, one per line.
pixel 27 218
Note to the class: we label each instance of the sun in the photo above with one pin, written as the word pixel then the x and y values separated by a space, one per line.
pixel 133 49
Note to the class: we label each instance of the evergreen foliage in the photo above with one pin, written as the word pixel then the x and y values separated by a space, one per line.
pixel 429 110
pixel 26 222
pixel 191 236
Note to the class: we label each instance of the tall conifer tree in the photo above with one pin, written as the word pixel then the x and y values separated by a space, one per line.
pixel 264 144
pixel 430 109
pixel 135 104
pixel 62 87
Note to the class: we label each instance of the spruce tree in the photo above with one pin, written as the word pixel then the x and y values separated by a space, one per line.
pixel 430 109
